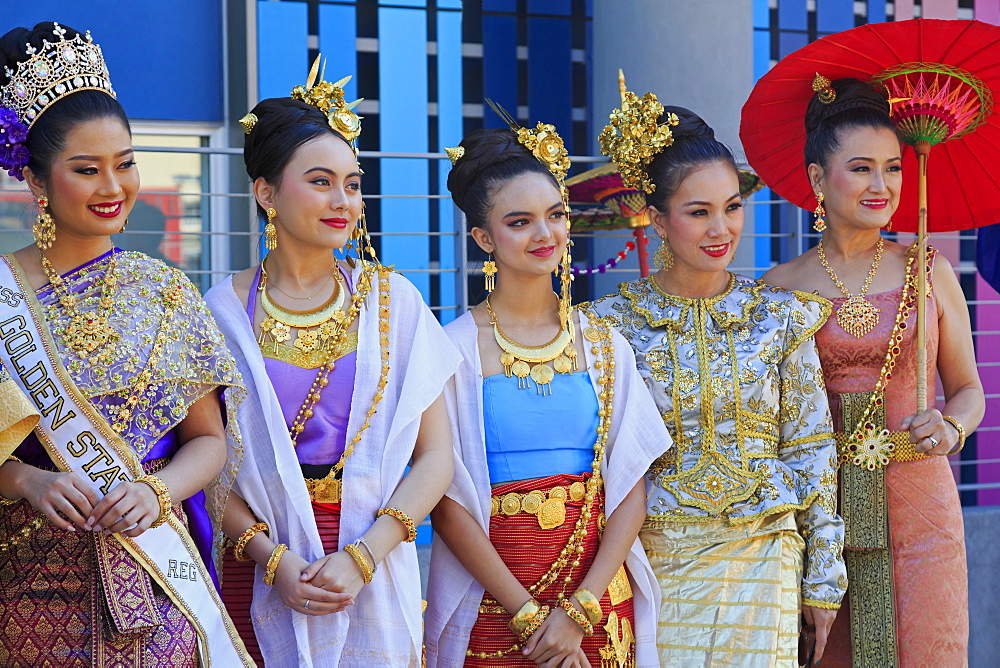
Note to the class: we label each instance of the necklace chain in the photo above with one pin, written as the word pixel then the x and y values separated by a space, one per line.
pixel 86 332
pixel 856 316
pixel 321 288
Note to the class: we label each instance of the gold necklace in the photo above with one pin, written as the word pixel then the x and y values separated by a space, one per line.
pixel 524 361
pixel 321 288
pixel 857 316
pixel 279 321
pixel 86 332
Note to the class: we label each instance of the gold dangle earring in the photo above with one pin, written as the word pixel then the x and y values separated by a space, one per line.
pixel 820 223
pixel 44 229
pixel 490 271
pixel 364 238
pixel 270 231
pixel 663 258
pixel 888 226
pixel 124 225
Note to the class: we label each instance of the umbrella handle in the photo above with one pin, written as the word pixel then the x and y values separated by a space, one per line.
pixel 922 150
pixel 642 245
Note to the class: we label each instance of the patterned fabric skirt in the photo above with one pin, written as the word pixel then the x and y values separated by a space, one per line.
pixel 731 594
pixel 238 576
pixel 927 536
pixel 53 601
pixel 529 551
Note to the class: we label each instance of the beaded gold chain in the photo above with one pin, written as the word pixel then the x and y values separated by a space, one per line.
pixel 856 316
pixel 86 332
pixel 865 432
pixel 569 555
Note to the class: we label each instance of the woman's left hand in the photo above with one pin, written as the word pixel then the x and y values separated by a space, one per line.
pixel 930 433
pixel 822 619
pixel 129 509
pixel 558 638
pixel 337 572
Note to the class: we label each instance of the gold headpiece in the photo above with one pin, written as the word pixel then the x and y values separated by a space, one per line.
pixel 248 122
pixel 634 136
pixel 543 142
pixel 823 86
pixel 53 72
pixel 329 98
pixel 455 153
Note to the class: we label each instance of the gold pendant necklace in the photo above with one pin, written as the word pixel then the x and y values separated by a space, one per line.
pixel 279 321
pixel 524 361
pixel 856 316
pixel 86 332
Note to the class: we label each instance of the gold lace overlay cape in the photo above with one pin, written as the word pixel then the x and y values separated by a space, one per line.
pixel 18 416
pixel 738 382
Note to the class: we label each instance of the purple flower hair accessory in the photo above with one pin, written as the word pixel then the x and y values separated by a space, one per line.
pixel 14 155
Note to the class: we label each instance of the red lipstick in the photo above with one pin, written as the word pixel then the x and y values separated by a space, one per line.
pixel 107 209
pixel 544 251
pixel 336 223
pixel 716 251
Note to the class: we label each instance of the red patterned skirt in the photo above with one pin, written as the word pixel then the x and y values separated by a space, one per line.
pixel 528 551
pixel 238 576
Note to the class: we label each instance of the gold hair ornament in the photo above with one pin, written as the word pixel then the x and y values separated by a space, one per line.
pixel 329 98
pixel 824 88
pixel 634 136
pixel 454 154
pixel 248 122
pixel 53 72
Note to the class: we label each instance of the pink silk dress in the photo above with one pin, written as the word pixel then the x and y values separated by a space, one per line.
pixel 925 516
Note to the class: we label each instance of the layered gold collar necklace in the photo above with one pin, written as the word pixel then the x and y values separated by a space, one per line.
pixel 856 316
pixel 532 361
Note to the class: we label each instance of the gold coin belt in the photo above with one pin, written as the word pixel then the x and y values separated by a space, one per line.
pixel 86 332
pixel 856 316
pixel 550 510
pixel 569 556
pixel 867 446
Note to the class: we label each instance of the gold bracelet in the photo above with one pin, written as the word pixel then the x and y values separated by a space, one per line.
pixel 590 604
pixel 577 616
pixel 272 563
pixel 162 495
pixel 411 528
pixel 523 617
pixel 361 541
pixel 961 433
pixel 535 623
pixel 245 539
pixel 366 571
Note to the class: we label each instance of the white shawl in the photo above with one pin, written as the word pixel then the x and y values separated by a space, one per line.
pixel 383 627
pixel 636 438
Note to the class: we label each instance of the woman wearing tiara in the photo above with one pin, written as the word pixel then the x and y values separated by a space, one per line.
pixel 905 547
pixel 741 528
pixel 100 562
pixel 345 366
pixel 535 559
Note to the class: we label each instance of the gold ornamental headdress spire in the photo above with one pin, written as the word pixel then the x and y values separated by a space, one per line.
pixel 52 72
pixel 634 136
pixel 329 98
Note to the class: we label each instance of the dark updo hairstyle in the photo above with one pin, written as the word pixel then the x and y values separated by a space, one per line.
pixel 283 125
pixel 694 145
pixel 47 136
pixel 857 105
pixel 492 158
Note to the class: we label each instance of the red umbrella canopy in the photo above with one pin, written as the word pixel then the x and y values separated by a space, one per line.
pixel 941 77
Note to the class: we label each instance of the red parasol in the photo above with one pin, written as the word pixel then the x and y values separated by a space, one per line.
pixel 939 77
pixel 964 175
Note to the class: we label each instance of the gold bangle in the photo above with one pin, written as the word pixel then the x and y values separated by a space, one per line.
pixel 162 495
pixel 590 604
pixel 361 541
pixel 535 623
pixel 367 573
pixel 523 617
pixel 577 616
pixel 411 528
pixel 272 563
pixel 961 433
pixel 245 539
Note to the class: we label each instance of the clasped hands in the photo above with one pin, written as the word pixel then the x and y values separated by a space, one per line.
pixel 327 585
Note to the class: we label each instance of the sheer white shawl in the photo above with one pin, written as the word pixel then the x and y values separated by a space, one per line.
pixel 383 627
pixel 636 438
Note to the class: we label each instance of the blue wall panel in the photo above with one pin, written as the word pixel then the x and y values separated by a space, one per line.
pixel 403 127
pixel 500 75
pixel 550 74
pixel 792 15
pixel 165 59
pixel 282 47
pixel 449 97
pixel 834 15
pixel 876 11
pixel 558 7
pixel 337 42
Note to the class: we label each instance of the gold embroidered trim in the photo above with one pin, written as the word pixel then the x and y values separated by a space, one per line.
pixel 796 442
pixel 658 521
pixel 813 603
pixel 826 308
pixel 636 292
pixel 311 360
